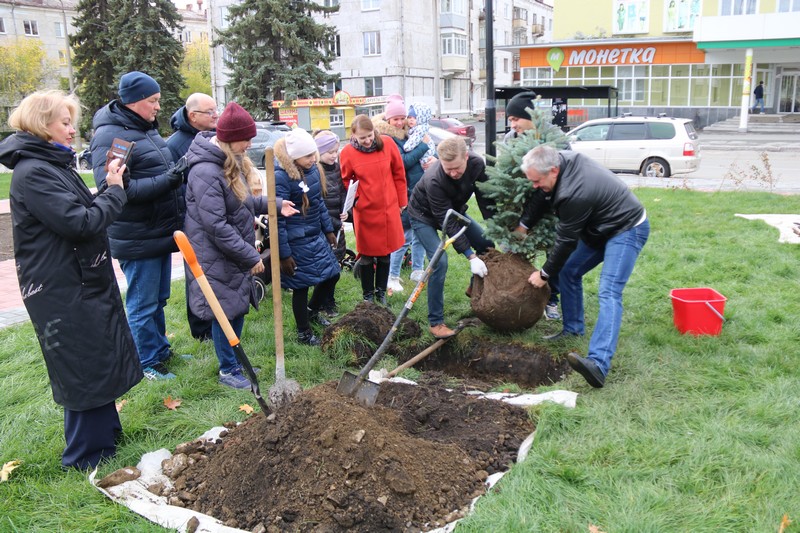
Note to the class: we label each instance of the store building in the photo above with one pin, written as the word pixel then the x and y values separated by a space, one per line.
pixel 335 113
pixel 697 59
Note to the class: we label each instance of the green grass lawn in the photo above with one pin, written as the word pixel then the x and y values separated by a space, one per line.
pixel 5 182
pixel 690 434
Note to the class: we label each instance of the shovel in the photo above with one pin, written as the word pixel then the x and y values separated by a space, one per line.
pixel 191 259
pixel 364 390
pixel 284 390
pixel 468 322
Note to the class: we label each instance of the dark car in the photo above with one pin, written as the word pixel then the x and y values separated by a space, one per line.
pixel 264 139
pixel 453 125
pixel 83 160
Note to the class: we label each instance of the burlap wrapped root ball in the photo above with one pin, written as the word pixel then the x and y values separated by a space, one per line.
pixel 504 300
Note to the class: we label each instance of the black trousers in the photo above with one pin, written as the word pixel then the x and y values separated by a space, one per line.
pixel 301 305
pixel 91 436
pixel 200 329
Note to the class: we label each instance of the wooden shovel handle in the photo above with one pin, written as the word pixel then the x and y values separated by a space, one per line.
pixel 191 259
pixel 275 263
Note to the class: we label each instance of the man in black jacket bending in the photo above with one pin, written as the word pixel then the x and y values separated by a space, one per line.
pixel 600 221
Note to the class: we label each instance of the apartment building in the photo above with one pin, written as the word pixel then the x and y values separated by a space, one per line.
pixel 49 22
pixel 698 59
pixel 430 51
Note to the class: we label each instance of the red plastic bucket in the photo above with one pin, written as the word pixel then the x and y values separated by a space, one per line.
pixel 698 311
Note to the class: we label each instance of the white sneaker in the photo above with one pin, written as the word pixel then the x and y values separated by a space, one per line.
pixel 394 285
pixel 416 275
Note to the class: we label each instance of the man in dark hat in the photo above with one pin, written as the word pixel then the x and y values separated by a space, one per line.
pixel 141 238
pixel 517 114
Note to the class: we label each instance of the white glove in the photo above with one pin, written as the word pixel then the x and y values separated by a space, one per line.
pixel 478 267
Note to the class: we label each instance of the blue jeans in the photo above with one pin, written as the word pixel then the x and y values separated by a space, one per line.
pixel 759 101
pixel 148 291
pixel 618 257
pixel 227 358
pixel 417 255
pixel 428 236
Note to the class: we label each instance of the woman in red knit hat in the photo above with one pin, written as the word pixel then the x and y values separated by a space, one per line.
pixel 220 209
pixel 374 162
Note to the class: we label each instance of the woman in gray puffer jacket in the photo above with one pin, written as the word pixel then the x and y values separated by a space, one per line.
pixel 220 215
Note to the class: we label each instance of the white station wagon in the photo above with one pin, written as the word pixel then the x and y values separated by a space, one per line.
pixel 650 146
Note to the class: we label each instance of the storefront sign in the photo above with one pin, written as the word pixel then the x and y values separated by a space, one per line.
pixel 341 98
pixel 612 56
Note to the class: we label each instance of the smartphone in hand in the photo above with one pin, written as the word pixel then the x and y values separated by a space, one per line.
pixel 120 149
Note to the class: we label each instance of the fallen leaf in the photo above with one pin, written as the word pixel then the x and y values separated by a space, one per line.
pixel 246 408
pixel 784 523
pixel 120 404
pixel 171 404
pixel 170 335
pixel 595 529
pixel 7 468
pixel 506 391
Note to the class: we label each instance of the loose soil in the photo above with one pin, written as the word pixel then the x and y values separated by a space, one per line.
pixel 325 463
pixel 6 240
pixel 504 300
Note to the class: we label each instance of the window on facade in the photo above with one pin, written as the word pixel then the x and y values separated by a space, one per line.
pixel 505 65
pixel 447 89
pixel 454 44
pixel 331 87
pixel 2 25
pixel 738 7
pixel 335 46
pixel 520 36
pixel 456 7
pixel 223 17
pixel 521 14
pixel 330 3
pixel 31 27
pixel 62 58
pixel 372 43
pixel 337 118
pixel 59 29
pixel 228 57
pixel 187 36
pixel 373 86
pixel 203 36
pixel 515 64
pixel 785 6
pixel 370 5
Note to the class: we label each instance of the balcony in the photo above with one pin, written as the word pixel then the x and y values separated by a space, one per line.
pixel 537 30
pixel 519 23
pixel 455 64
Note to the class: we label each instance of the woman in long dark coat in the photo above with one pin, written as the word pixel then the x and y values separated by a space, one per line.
pixel 66 277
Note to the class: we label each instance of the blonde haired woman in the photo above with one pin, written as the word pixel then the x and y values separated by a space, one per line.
pixel 65 274
pixel 220 207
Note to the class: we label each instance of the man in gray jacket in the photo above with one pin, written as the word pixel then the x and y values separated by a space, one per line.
pixel 600 221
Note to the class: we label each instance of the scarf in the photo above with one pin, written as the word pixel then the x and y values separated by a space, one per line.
pixel 354 144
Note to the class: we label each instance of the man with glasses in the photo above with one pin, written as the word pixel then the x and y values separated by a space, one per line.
pixel 199 114
pixel 448 184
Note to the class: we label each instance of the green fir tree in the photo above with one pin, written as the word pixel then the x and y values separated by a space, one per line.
pixel 113 38
pixel 93 60
pixel 275 50
pixel 510 189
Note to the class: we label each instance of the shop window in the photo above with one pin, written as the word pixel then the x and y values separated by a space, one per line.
pixel 575 73
pixel 591 73
pixel 373 86
pixel 720 92
pixel 700 91
pixel 527 76
pixel 631 90
pixel 607 72
pixel 679 93
pixel 721 70
pixel 660 71
pixel 31 27
pixel 738 7
pixel 784 6
pixel 337 118
pixel 738 70
pixel 680 71
pixel 447 89
pixel 701 70
pixel 372 43
pixel 659 92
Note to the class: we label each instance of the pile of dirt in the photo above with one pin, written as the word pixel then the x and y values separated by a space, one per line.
pixel 504 300
pixel 368 325
pixel 325 463
pixel 6 239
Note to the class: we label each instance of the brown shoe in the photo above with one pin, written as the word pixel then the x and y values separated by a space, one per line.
pixel 441 331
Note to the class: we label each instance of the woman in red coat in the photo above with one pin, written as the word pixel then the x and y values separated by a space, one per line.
pixel 375 163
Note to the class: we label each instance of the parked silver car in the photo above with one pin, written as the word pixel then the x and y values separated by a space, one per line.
pixel 264 139
pixel 650 146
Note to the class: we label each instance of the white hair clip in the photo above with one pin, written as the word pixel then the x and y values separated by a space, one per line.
pixel 304 187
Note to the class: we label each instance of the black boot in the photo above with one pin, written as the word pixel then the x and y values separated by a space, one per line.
pixel 369 296
pixel 314 316
pixel 380 296
pixel 307 337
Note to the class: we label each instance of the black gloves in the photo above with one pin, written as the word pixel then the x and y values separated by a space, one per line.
pixel 288 265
